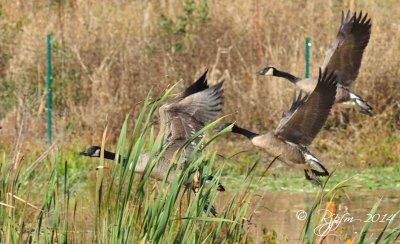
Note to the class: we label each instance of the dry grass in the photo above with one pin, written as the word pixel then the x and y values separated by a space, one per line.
pixel 109 54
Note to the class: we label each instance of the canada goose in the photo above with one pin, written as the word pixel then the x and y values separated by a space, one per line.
pixel 344 56
pixel 181 117
pixel 157 173
pixel 297 128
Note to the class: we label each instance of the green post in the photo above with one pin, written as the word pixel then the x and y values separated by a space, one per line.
pixel 48 79
pixel 307 57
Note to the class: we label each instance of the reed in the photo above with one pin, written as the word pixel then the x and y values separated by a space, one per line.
pixel 125 207
pixel 319 215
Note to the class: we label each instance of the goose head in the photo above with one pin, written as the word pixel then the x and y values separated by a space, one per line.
pixel 267 71
pixel 93 151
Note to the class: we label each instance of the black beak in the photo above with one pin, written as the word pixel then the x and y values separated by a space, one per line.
pixel 84 153
pixel 260 73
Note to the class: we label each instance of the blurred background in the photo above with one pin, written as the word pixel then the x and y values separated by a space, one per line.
pixel 108 55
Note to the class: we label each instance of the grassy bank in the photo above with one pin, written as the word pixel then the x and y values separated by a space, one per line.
pixel 55 199
pixel 61 196
pixel 108 55
pixel 283 179
pixel 68 197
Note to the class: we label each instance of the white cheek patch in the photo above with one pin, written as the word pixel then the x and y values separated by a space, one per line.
pixel 270 72
pixel 96 153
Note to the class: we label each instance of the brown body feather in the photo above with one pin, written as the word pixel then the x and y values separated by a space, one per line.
pixel 298 127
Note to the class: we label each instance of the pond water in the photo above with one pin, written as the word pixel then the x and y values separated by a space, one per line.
pixel 285 214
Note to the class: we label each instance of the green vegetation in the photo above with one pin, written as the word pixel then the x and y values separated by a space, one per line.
pixel 323 220
pixel 179 30
pixel 285 179
pixel 59 196
pixel 44 201
pixel 107 56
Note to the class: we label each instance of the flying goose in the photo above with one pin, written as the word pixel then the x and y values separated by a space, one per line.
pixel 157 173
pixel 297 128
pixel 181 117
pixel 344 56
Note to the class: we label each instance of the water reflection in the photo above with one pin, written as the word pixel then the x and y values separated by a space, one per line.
pixel 284 213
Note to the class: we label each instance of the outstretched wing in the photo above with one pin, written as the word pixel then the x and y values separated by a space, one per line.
pixel 186 117
pixel 345 52
pixel 307 114
pixel 200 85
pixel 298 99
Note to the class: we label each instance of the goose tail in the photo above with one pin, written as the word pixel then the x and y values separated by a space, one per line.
pixel 362 105
pixel 315 169
pixel 212 209
pixel 208 180
pixel 310 175
pixel 315 165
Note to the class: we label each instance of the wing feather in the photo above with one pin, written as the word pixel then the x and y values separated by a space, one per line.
pixel 307 114
pixel 187 113
pixel 346 51
pixel 200 85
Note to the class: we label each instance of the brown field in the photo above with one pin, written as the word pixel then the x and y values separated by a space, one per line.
pixel 107 55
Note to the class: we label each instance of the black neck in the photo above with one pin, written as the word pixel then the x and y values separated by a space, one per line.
pixel 287 76
pixel 111 156
pixel 242 131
